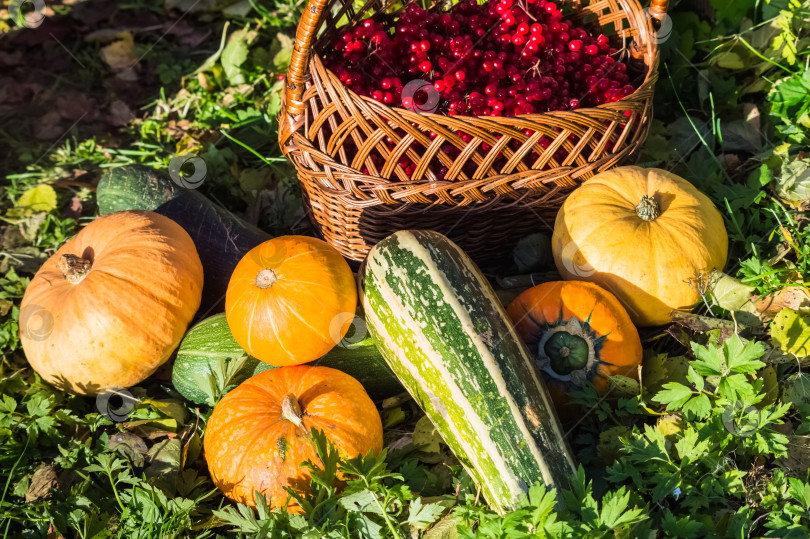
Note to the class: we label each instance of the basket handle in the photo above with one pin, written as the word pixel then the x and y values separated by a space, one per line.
pixel 656 13
pixel 658 10
pixel 297 73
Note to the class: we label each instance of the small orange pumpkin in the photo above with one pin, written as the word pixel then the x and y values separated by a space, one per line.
pixel 290 300
pixel 260 433
pixel 111 305
pixel 576 331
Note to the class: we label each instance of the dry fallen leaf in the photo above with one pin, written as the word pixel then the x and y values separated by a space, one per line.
pixel 177 129
pixel 43 480
pixel 120 113
pixel 120 54
pixel 77 106
pixel 792 297
pixel 48 127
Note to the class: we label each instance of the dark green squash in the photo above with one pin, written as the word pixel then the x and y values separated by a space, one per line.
pixel 209 348
pixel 221 238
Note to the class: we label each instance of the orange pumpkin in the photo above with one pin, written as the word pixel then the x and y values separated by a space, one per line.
pixel 290 300
pixel 576 331
pixel 646 235
pixel 260 433
pixel 111 305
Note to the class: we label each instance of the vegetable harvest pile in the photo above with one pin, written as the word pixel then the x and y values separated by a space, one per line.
pixel 188 359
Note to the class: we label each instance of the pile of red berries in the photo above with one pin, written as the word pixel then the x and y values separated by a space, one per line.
pixel 501 58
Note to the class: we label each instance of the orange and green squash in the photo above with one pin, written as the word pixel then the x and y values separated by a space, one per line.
pixel 576 331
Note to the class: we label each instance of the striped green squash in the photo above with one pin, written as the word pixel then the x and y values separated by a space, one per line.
pixel 444 333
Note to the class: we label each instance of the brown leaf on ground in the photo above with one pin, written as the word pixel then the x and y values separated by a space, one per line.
pixel 120 113
pixel 792 297
pixel 120 54
pixel 730 161
pixel 75 106
pixel 752 116
pixel 195 40
pixel 17 92
pixel 127 75
pixel 43 480
pixel 49 126
pixel 177 129
pixel 74 211
pixel 52 533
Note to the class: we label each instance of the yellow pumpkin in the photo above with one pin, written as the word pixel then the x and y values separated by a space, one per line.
pixel 646 235
pixel 111 305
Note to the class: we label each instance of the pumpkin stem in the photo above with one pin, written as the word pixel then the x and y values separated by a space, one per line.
pixel 291 410
pixel 648 209
pixel 266 278
pixel 567 353
pixel 73 268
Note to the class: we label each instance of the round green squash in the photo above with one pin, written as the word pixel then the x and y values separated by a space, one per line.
pixel 209 358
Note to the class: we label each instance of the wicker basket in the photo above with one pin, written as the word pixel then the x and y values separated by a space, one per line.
pixel 487 210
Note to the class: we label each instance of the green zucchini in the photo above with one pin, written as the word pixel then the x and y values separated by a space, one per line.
pixel 221 238
pixel 209 352
pixel 442 330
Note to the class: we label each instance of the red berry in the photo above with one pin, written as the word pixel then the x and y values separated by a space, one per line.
pixel 426 65
pixel 575 45
pixel 592 50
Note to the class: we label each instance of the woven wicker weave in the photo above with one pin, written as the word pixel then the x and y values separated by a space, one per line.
pixel 330 134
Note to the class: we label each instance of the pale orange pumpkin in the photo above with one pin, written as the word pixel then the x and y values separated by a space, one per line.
pixel 111 305
pixel 644 234
pixel 290 300
pixel 261 432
